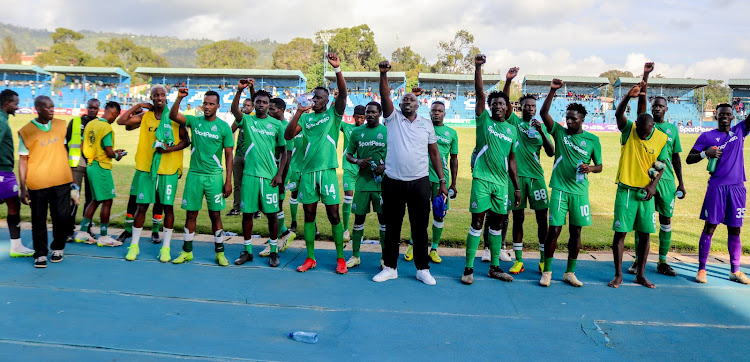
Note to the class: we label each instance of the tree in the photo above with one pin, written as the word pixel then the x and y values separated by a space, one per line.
pixel 297 54
pixel 9 51
pixel 314 76
pixel 457 55
pixel 123 53
pixel 716 93
pixel 407 60
pixel 227 54
pixel 65 52
pixel 355 47
pixel 612 76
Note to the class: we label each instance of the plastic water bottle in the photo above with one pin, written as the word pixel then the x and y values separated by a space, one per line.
pixel 451 194
pixel 712 163
pixel 307 337
pixel 377 178
pixel 305 100
pixel 679 194
pixel 373 242
pixel 532 130
pixel 580 176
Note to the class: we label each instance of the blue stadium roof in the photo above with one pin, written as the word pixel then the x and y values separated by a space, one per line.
pixel 234 73
pixel 18 68
pixel 663 82
pixel 100 71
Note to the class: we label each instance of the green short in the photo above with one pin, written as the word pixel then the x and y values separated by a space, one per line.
pixel 102 184
pixel 486 195
pixel 436 191
pixel 350 179
pixel 145 188
pixel 363 199
pixel 533 190
pixel 562 202
pixel 319 186
pixel 632 212
pixel 665 197
pixel 197 186
pixel 292 181
pixel 257 194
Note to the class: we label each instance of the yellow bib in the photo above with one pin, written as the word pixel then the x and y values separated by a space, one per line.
pixel 171 163
pixel 637 156
pixel 93 134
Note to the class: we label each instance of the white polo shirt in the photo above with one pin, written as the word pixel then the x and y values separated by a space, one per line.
pixel 407 158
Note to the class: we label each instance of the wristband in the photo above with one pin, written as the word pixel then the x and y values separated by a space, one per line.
pixel 442 181
pixel 337 70
pixel 703 154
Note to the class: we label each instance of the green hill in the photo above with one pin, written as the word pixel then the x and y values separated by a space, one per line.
pixel 179 52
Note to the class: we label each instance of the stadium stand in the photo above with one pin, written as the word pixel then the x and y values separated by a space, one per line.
pixel 584 90
pixel 457 92
pixel 740 96
pixel 680 94
pixel 73 86
pixel 286 84
pixel 363 87
pixel 26 80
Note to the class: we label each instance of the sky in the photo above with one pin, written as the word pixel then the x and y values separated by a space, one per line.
pixel 696 39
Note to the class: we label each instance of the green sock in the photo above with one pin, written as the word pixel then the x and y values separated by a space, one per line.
pixel 548 264
pixel 103 229
pixel 187 246
pixel 310 239
pixel 282 226
pixel 346 211
pixel 358 232
pixel 518 249
pixel 437 232
pixel 338 239
pixel 665 239
pixel 636 246
pixel 249 246
pixel 293 208
pixel 472 243
pixel 496 244
pixel 571 266
pixel 274 245
pixel 129 223
pixel 85 224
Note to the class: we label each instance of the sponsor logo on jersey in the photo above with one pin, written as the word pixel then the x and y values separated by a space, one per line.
pixel 570 144
pixel 319 122
pixel 371 143
pixel 262 131
pixel 499 135
pixel 442 139
pixel 207 134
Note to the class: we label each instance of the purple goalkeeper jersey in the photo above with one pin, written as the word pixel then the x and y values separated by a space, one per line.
pixel 730 168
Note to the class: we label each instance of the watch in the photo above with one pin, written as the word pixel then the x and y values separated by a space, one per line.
pixel 442 181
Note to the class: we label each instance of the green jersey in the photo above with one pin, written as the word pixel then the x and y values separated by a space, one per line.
pixel 7 158
pixel 447 142
pixel 321 134
pixel 262 136
pixel 528 149
pixel 673 146
pixel 569 149
pixel 209 138
pixel 492 157
pixel 368 142
pixel 298 153
pixel 346 129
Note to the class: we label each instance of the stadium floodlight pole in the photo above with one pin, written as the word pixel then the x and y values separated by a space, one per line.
pixel 326 37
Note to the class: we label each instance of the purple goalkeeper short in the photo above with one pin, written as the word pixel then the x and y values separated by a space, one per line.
pixel 724 205
pixel 8 185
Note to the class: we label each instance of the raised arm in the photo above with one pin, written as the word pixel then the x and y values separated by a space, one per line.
pixel 642 99
pixel 622 120
pixel 478 84
pixel 340 103
pixel 544 112
pixel 512 73
pixel 174 112
pixel 293 128
pixel 129 119
pixel 235 107
pixel 385 94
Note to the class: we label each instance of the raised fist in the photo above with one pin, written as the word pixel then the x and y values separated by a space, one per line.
pixel 556 84
pixel 636 90
pixel 512 73
pixel 384 66
pixel 480 59
pixel 182 92
pixel 333 60
pixel 417 91
pixel 648 67
pixel 244 83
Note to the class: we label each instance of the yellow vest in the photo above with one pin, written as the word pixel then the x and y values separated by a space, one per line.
pixel 74 145
pixel 171 163
pixel 94 132
pixel 46 167
pixel 637 156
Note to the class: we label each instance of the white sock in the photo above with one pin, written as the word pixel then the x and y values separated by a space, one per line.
pixel 249 242
pixel 15 243
pixel 136 235
pixel 167 237
pixel 218 239
pixel 188 236
pixel 273 242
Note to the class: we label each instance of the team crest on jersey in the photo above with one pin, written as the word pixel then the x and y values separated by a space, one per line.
pixel 213 129
pixel 361 134
pixel 669 131
pixel 717 139
pixel 507 130
pixel 583 143
pixel 380 136
pixel 448 134
pixel 269 126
